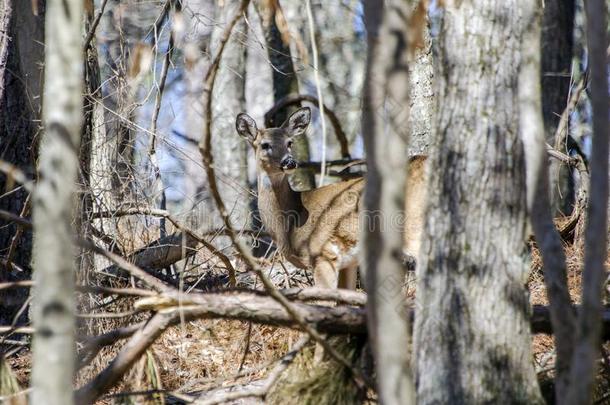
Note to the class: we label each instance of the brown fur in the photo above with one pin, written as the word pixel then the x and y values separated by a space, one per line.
pixel 319 229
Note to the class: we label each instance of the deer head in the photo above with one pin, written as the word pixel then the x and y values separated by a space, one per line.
pixel 273 146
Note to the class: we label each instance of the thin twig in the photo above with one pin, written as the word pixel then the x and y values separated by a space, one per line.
pixel 205 147
pixel 125 265
pixel 94 25
pixel 316 74
pixel 165 214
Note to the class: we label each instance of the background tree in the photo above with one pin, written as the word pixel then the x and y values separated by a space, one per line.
pixel 472 340
pixel 229 99
pixel 556 75
pixel 53 203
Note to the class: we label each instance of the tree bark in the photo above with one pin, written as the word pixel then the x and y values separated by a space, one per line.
pixel 421 75
pixel 556 49
pixel 472 341
pixel 385 112
pixel 21 61
pixel 539 201
pixel 586 352
pixel 285 82
pixel 228 100
pixel 53 205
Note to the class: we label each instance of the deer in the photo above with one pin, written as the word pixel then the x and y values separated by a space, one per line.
pixel 318 229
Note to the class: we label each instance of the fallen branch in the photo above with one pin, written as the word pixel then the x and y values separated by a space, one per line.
pixel 177 307
pixel 187 232
pixel 93 345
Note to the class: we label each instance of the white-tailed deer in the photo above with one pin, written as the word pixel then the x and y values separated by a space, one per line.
pixel 318 229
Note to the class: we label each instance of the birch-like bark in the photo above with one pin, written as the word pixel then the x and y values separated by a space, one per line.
pixel 539 205
pixel 586 352
pixel 472 336
pixel 386 129
pixel 53 203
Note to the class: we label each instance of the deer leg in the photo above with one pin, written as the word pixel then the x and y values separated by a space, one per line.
pixel 348 277
pixel 324 274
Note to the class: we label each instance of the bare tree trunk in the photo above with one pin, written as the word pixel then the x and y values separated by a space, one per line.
pixel 421 74
pixel 584 367
pixel 53 204
pixel 386 95
pixel 285 82
pixel 21 61
pixel 556 49
pixel 472 336
pixel 228 100
pixel 548 239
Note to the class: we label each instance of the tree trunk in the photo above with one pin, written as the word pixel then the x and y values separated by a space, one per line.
pixel 53 206
pixel 228 100
pixel 21 61
pixel 472 335
pixel 539 201
pixel 385 111
pixel 586 352
pixel 421 74
pixel 556 48
pixel 285 82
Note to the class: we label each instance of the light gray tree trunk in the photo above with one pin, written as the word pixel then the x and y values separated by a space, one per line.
pixel 421 75
pixel 386 132
pixel 539 204
pixel 196 47
pixel 472 334
pixel 228 100
pixel 53 204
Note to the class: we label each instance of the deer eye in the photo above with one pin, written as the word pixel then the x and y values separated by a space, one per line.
pixel 265 146
pixel 289 144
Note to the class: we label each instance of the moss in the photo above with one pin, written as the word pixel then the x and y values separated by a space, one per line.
pixel 327 382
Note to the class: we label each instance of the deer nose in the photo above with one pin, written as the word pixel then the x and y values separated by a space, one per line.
pixel 288 163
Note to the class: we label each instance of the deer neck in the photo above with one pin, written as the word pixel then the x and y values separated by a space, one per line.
pixel 280 207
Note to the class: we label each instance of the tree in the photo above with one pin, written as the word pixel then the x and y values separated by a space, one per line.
pixel 53 203
pixel 228 100
pixel 285 81
pixel 586 350
pixel 386 96
pixel 472 339
pixel 21 57
pixel 556 49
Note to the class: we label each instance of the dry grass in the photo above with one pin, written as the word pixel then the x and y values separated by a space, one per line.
pixel 201 355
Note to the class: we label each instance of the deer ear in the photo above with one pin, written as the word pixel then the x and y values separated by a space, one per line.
pixel 246 127
pixel 298 122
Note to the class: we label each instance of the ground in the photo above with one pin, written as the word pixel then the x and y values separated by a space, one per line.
pixel 200 355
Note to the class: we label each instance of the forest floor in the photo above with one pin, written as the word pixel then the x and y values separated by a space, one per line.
pixel 202 355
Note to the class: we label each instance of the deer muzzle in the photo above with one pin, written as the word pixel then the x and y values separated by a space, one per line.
pixel 288 163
